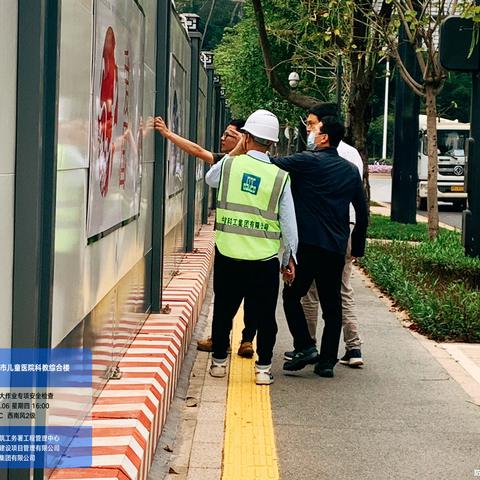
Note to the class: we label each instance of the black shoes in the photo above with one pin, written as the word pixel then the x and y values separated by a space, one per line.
pixel 352 358
pixel 301 359
pixel 323 371
pixel 289 355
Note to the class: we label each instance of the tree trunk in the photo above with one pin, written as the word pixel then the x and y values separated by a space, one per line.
pixel 359 116
pixel 358 122
pixel 361 87
pixel 432 197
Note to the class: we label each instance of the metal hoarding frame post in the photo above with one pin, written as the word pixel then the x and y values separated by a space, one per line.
pixel 35 180
pixel 162 72
pixel 208 56
pixel 195 40
pixel 405 142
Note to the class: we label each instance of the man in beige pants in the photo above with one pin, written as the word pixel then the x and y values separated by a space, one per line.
pixel 351 337
pixel 310 303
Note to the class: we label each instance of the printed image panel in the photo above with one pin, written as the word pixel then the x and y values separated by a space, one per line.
pixel 177 122
pixel 116 119
pixel 202 115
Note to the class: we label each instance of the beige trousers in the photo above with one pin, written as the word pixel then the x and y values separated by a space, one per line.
pixel 310 303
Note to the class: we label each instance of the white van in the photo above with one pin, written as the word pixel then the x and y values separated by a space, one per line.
pixel 452 139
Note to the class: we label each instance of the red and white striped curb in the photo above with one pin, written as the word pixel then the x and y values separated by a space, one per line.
pixel 128 416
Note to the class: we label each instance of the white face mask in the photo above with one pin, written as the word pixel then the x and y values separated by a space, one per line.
pixel 311 140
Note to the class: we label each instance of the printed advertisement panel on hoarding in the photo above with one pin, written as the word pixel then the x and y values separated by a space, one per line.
pixel 116 119
pixel 177 123
pixel 202 115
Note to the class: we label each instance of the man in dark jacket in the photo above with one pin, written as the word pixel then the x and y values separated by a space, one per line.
pixel 323 186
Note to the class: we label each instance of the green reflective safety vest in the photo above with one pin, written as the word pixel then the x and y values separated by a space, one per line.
pixel 248 198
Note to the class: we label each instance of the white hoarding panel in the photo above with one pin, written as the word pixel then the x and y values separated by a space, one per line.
pixel 8 82
pixel 116 120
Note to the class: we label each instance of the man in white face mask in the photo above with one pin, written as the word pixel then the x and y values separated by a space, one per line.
pixel 323 186
pixel 353 355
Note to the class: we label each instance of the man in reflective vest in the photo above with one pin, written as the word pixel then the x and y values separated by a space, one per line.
pixel 254 212
pixel 228 141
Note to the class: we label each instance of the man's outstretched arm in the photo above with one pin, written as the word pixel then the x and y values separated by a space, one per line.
pixel 186 145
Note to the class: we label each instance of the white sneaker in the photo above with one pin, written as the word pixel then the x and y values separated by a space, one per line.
pixel 263 374
pixel 218 368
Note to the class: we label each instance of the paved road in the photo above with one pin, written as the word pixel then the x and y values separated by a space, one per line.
pixel 381 191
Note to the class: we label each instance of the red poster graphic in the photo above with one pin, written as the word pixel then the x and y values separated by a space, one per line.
pixel 108 115
pixel 117 109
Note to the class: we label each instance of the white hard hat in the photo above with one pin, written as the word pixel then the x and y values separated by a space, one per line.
pixel 263 124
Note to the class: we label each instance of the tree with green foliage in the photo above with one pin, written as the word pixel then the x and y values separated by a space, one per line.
pixel 420 20
pixel 238 59
pixel 319 32
pixel 454 99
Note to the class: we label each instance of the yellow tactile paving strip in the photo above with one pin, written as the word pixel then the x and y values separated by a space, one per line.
pixel 249 451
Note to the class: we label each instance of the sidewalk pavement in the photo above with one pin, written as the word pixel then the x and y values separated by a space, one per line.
pixel 403 416
pixel 412 412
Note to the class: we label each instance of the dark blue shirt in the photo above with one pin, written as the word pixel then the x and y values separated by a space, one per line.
pixel 323 186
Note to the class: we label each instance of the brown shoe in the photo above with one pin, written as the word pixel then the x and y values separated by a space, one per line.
pixel 205 345
pixel 246 350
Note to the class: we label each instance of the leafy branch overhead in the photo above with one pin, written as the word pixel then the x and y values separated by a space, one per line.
pixel 419 24
pixel 310 36
pixel 239 61
pixel 303 101
pixel 276 37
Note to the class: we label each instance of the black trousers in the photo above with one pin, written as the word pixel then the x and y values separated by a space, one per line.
pixel 257 283
pixel 249 321
pixel 326 268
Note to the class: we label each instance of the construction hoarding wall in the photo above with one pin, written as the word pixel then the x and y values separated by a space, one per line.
pixel 8 81
pixel 101 287
pixel 99 298
pixel 178 120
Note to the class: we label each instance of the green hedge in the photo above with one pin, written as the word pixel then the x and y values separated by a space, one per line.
pixel 382 227
pixel 434 281
pixel 446 258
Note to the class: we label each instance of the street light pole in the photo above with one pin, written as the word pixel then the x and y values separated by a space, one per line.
pixel 207 58
pixel 471 216
pixel 385 111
